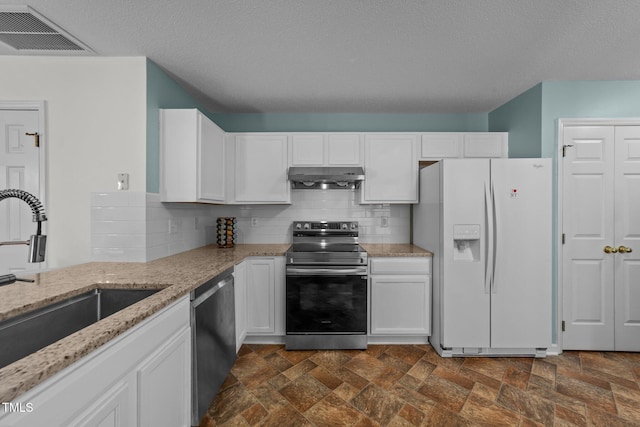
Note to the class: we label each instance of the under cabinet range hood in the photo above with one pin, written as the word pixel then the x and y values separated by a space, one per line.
pixel 326 177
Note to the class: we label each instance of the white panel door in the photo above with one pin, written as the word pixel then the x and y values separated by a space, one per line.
pixel 588 225
pixel 521 285
pixel 627 237
pixel 19 169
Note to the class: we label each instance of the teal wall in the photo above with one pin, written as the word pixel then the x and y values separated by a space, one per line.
pixel 162 92
pixel 346 122
pixel 544 104
pixel 585 99
pixel 521 117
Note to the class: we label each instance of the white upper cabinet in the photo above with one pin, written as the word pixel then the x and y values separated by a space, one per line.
pixel 192 157
pixel 308 150
pixel 260 172
pixel 390 168
pixel 442 145
pixel 319 149
pixel 485 144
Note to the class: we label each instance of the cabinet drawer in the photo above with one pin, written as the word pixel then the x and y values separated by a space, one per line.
pixel 400 265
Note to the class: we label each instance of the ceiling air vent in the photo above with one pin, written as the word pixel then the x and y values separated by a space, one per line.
pixel 27 31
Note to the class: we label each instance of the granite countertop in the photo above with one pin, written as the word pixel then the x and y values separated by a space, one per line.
pixel 394 249
pixel 175 275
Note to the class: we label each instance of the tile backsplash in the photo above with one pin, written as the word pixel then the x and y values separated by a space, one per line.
pixel 137 227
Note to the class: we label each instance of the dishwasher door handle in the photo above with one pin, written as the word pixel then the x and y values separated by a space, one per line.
pixel 221 284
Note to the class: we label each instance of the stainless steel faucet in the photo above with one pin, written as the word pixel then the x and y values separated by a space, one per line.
pixel 37 243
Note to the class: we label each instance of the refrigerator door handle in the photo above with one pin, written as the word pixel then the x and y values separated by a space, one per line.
pixel 494 238
pixel 488 259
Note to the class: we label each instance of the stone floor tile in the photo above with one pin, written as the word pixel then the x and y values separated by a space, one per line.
pixel 304 392
pixel 332 411
pixel 410 385
pixel 450 395
pixel 486 412
pixel 377 404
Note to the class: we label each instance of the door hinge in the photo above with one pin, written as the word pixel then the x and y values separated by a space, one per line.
pixel 36 137
pixel 564 238
pixel 564 149
pixel 563 326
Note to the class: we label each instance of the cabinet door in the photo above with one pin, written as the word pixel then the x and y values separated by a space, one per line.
pixel 441 145
pixel 240 286
pixel 165 384
pixel 114 408
pixel 261 169
pixel 211 162
pixel 344 150
pixel 265 295
pixel 192 165
pixel 400 305
pixel 307 150
pixel 391 169
pixel 486 145
pixel 178 152
pixel 261 280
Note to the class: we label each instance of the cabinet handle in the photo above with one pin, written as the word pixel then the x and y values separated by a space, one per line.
pixel 610 250
pixel 624 250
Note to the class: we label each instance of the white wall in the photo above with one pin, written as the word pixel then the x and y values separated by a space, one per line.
pixel 95 128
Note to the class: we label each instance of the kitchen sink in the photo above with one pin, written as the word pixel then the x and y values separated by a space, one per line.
pixel 29 332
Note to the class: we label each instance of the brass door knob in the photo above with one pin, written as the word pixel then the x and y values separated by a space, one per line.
pixel 610 250
pixel 624 250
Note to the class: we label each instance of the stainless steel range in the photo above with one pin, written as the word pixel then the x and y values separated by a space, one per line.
pixel 326 288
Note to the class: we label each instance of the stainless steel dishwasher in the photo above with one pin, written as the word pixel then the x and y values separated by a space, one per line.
pixel 214 340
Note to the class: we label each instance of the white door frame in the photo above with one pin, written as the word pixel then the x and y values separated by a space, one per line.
pixel 38 106
pixel 562 124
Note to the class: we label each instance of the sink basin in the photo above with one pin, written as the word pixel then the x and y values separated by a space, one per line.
pixel 29 332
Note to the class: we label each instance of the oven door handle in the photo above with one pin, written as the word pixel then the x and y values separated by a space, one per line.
pixel 326 271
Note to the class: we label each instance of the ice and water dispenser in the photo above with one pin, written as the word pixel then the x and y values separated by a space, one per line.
pixel 466 242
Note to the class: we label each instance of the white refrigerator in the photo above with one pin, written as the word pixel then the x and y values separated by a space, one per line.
pixel 488 222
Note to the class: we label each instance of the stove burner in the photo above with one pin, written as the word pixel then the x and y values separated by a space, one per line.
pixel 326 243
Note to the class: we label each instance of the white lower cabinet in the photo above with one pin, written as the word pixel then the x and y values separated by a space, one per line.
pixel 164 384
pixel 141 378
pixel 400 295
pixel 265 295
pixel 113 408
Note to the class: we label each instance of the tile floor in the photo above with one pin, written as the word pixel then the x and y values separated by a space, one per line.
pixel 410 385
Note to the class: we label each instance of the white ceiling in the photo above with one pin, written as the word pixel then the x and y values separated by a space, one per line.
pixel 360 56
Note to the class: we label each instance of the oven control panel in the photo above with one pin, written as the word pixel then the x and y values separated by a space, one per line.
pixel 325 226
